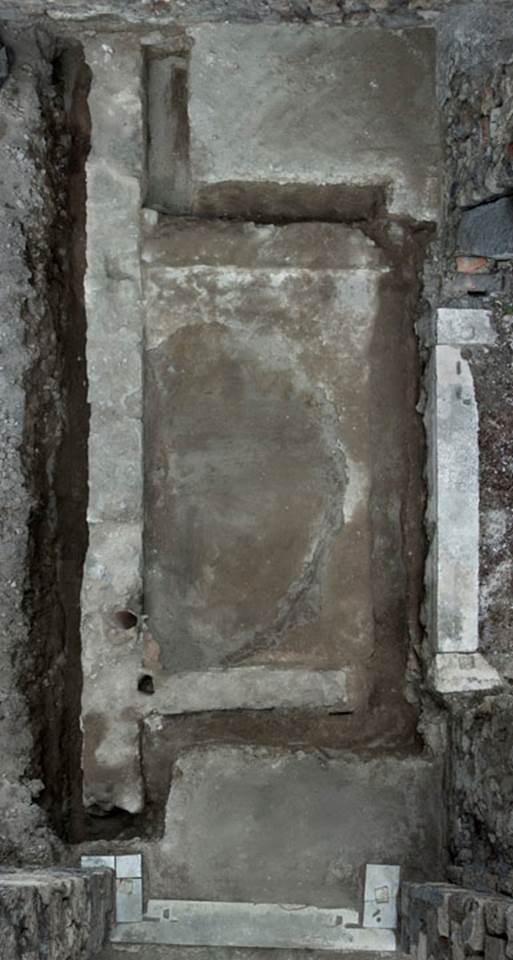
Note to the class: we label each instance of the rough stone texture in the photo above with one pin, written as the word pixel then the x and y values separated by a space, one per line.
pixel 168 133
pixel 443 921
pixel 235 816
pixel 338 488
pixel 481 822
pixel 38 724
pixel 492 374
pixel 333 93
pixel 162 12
pixel 487 230
pixel 476 94
pixel 57 914
pixel 258 688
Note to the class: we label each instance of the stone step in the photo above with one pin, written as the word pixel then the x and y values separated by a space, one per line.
pixel 235 924
pixel 259 688
pixel 119 951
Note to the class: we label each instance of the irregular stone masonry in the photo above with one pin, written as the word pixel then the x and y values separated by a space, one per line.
pixel 444 922
pixel 57 914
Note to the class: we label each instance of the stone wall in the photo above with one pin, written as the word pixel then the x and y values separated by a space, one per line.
pixel 441 921
pixel 162 12
pixel 476 95
pixel 56 914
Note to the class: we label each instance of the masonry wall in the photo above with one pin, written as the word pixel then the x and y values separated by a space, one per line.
pixel 476 96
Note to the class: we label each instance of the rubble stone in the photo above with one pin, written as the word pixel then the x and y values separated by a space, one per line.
pixel 487 230
pixel 58 914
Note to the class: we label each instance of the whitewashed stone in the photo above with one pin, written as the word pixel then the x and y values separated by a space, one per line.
pixel 454 326
pixel 453 510
pixel 112 584
pixel 463 673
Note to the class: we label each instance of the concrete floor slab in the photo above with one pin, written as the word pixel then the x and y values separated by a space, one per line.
pixel 270 825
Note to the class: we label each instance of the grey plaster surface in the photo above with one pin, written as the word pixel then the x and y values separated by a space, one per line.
pixel 271 825
pixel 259 461
pixel 306 104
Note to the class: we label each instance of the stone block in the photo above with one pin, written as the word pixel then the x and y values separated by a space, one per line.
pixel 234 816
pixel 112 583
pixel 463 673
pixel 509 933
pixel 56 913
pixel 495 916
pixel 298 104
pixel 259 688
pixel 458 326
pixel 457 947
pixel 474 284
pixel 487 230
pixel 453 508
pixel 264 926
pixel 472 264
pixel 472 925
pixel 495 948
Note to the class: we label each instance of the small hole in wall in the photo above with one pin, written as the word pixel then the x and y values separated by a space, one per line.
pixel 145 684
pixel 125 619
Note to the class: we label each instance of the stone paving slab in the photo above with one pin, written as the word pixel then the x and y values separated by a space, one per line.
pixel 311 105
pixel 263 824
